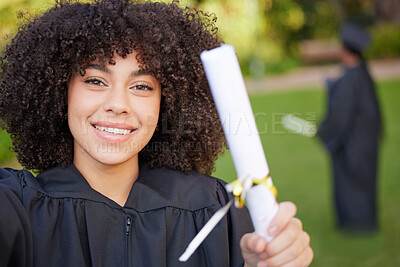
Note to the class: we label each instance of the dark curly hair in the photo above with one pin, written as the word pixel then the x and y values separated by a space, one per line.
pixel 40 60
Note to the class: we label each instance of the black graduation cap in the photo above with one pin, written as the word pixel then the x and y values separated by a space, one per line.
pixel 354 37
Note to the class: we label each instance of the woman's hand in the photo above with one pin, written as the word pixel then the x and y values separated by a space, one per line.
pixel 289 247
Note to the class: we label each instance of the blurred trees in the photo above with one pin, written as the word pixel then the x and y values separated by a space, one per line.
pixel 10 14
pixel 388 10
pixel 267 33
pixel 6 153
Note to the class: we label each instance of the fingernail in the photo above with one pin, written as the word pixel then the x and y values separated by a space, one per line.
pixel 262 264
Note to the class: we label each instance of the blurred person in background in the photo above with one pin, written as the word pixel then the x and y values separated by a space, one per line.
pixel 350 133
pixel 85 91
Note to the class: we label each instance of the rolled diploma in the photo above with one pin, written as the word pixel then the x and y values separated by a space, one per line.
pixel 230 96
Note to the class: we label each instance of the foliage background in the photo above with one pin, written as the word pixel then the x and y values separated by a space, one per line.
pixel 267 33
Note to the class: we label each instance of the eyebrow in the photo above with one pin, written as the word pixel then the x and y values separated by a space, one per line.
pixel 108 71
pixel 98 67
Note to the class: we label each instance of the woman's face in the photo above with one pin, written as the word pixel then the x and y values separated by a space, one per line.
pixel 112 111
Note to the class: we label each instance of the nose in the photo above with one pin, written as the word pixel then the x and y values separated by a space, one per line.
pixel 117 100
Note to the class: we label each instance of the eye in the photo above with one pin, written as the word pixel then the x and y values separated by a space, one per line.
pixel 142 87
pixel 95 81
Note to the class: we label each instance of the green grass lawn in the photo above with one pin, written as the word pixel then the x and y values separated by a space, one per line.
pixel 300 168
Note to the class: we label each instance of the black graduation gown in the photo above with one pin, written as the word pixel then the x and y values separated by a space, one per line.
pixel 57 219
pixel 350 132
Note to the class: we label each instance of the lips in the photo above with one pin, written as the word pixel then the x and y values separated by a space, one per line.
pixel 113 132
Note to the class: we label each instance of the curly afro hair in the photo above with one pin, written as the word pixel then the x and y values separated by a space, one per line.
pixel 40 60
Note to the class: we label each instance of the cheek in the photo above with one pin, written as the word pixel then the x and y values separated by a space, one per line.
pixel 81 103
pixel 80 108
pixel 148 112
pixel 149 119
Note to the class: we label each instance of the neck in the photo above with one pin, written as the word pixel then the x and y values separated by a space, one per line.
pixel 350 60
pixel 112 181
pixel 352 63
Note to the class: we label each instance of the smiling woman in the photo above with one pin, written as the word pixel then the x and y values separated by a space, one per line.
pixel 83 89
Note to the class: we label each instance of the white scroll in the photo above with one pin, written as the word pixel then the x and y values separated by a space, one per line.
pixel 230 96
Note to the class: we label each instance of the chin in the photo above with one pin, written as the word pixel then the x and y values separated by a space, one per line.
pixel 114 160
pixel 113 154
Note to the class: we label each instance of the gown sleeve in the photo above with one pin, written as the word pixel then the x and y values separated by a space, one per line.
pixel 334 130
pixel 15 233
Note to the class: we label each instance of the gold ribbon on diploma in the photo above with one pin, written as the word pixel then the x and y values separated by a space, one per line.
pixel 239 188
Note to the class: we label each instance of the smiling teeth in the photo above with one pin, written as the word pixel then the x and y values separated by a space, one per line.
pixel 113 130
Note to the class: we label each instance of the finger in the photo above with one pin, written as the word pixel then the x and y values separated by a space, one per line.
pixel 303 260
pixel 286 211
pixel 253 248
pixel 252 243
pixel 285 238
pixel 297 252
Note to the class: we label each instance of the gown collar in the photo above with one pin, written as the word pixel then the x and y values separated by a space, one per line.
pixel 154 188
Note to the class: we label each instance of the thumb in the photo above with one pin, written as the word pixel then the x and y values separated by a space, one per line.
pixel 252 243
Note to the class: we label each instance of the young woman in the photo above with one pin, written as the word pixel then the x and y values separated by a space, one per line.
pixel 109 103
